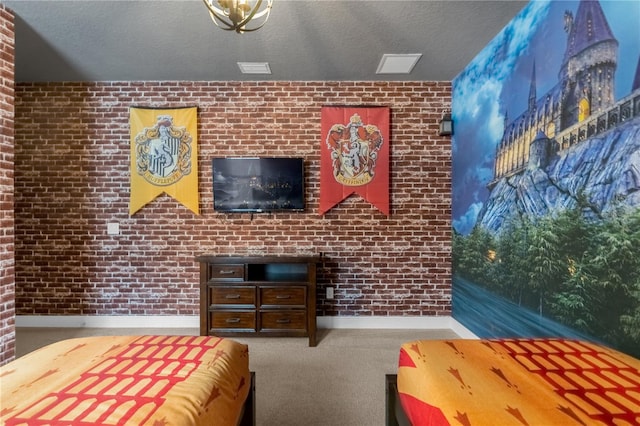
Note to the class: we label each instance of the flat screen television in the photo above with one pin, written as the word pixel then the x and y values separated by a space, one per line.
pixel 257 185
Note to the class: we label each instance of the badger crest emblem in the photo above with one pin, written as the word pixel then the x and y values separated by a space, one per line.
pixel 354 150
pixel 163 152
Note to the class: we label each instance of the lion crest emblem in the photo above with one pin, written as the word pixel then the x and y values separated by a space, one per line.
pixel 354 150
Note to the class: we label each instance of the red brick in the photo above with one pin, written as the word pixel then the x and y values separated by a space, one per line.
pixel 72 178
pixel 7 248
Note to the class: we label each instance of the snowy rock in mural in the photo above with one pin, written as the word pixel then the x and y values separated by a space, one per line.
pixel 603 171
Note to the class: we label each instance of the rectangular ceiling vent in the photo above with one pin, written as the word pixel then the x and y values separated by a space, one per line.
pixel 254 67
pixel 398 63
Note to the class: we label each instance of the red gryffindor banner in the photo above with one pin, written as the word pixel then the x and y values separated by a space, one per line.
pixel 354 156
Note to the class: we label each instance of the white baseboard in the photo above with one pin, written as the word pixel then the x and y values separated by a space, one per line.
pixel 400 323
pixel 108 321
pixel 461 330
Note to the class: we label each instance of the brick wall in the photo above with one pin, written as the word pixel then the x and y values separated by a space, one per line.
pixel 7 270
pixel 72 178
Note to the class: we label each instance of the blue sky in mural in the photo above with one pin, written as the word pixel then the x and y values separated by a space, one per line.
pixel 504 68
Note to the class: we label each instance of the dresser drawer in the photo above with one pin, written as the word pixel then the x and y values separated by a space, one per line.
pixel 269 296
pixel 283 320
pixel 232 295
pixel 279 296
pixel 226 272
pixel 233 320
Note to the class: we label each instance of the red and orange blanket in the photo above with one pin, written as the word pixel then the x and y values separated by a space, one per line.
pixel 127 380
pixel 517 382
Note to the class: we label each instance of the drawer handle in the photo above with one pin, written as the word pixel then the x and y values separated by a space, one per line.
pixel 232 296
pixel 283 296
pixel 233 320
pixel 283 321
pixel 227 272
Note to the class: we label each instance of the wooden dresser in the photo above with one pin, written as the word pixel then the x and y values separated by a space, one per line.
pixel 261 296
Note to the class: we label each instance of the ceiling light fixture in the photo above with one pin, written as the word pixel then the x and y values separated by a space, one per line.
pixel 235 15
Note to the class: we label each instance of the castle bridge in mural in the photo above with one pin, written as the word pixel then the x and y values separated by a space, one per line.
pixel 624 110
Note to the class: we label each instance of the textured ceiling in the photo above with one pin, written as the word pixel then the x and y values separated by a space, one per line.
pixel 91 40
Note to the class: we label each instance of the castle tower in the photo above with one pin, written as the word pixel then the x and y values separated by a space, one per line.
pixel 636 80
pixel 589 64
pixel 540 151
pixel 585 88
pixel 532 89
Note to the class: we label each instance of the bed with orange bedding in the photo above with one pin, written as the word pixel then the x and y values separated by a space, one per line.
pixel 129 380
pixel 513 382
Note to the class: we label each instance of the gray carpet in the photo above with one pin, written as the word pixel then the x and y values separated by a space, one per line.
pixel 338 383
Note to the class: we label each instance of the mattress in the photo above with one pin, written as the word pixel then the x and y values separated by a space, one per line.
pixel 128 380
pixel 517 382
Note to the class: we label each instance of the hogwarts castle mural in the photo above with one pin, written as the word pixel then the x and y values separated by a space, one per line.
pixel 546 177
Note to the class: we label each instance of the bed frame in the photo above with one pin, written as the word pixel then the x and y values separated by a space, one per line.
pixel 394 414
pixel 249 408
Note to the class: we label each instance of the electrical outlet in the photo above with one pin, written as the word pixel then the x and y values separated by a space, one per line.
pixel 113 228
pixel 329 292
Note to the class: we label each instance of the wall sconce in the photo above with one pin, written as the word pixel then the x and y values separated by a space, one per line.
pixel 446 125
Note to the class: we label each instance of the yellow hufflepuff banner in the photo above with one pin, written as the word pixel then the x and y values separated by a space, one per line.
pixel 164 156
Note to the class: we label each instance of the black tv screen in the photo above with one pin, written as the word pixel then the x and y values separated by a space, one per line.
pixel 258 184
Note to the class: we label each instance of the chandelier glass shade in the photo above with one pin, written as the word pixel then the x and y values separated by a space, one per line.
pixel 239 15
